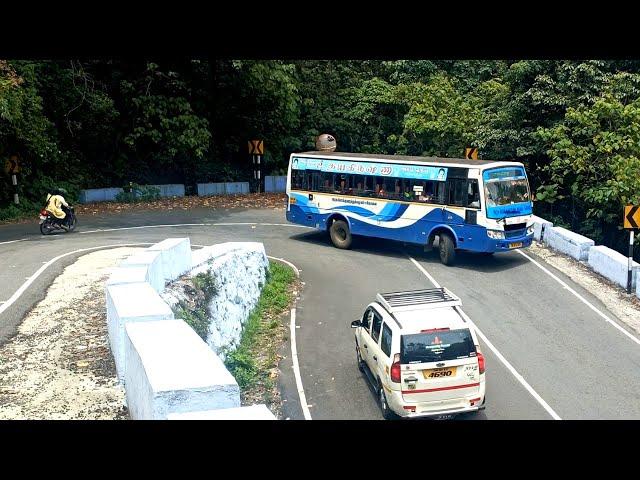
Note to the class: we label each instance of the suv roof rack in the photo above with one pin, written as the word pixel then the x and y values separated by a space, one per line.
pixel 418 300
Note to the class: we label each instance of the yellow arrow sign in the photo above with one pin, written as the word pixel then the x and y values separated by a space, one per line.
pixel 11 166
pixel 471 153
pixel 632 216
pixel 256 147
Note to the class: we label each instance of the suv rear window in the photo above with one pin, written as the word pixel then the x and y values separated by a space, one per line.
pixel 436 346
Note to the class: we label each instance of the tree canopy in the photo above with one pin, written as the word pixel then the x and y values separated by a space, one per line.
pixel 97 123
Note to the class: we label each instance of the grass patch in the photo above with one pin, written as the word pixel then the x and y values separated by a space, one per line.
pixel 194 311
pixel 254 362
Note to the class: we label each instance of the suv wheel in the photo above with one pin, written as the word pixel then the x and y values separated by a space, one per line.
pixel 359 359
pixel 384 406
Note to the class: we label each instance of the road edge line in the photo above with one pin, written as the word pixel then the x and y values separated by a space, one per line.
pixel 294 349
pixel 504 361
pixel 581 298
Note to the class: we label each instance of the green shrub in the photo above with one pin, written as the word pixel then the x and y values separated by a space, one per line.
pixel 133 193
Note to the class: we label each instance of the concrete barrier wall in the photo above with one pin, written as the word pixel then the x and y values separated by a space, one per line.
pixel 151 262
pixel 176 257
pixel 227 188
pixel 568 242
pixel 109 194
pixel 134 302
pixel 612 265
pixel 240 271
pixel 99 195
pixel 275 183
pixel 166 368
pixel 253 412
pixel 171 370
pixel 170 189
pixel 128 274
pixel 540 226
pixel 603 260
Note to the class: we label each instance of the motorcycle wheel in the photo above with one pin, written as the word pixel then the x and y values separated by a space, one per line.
pixel 74 222
pixel 46 227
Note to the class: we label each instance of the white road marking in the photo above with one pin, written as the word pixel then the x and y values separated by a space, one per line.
pixel 294 349
pixel 13 241
pixel 296 367
pixel 196 225
pixel 581 298
pixel 504 361
pixel 31 279
pixel 295 269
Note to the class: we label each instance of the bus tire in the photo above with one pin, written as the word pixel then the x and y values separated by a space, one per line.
pixel 447 249
pixel 340 234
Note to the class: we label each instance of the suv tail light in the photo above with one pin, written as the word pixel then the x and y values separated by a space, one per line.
pixel 395 369
pixel 480 360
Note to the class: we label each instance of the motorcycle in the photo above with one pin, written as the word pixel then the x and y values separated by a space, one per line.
pixel 49 223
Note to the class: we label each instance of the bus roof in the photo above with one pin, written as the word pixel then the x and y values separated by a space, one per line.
pixel 406 158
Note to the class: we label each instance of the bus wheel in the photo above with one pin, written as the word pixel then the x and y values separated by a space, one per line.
pixel 447 249
pixel 340 234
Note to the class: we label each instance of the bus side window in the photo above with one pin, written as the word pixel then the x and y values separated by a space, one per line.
pixel 457 194
pixel 439 194
pixel 473 194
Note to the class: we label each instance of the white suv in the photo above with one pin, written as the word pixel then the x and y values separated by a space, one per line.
pixel 421 354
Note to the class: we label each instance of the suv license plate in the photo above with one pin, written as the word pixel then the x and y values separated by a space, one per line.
pixel 445 417
pixel 439 373
pixel 515 245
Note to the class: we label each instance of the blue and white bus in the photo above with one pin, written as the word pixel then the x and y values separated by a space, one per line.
pixel 476 205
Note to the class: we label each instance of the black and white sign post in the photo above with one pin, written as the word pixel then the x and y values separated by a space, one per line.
pixel 256 150
pixel 631 235
pixel 14 180
pixel 12 166
pixel 631 221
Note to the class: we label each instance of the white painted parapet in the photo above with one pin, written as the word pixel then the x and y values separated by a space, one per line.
pixel 171 370
pixel 613 265
pixel 176 256
pixel 240 271
pixel 568 242
pixel 252 412
pixel 131 274
pixel 540 224
pixel 134 302
pixel 152 262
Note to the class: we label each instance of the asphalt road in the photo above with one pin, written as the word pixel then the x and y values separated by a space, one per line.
pixel 562 351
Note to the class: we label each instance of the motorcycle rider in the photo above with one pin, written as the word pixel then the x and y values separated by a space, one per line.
pixel 58 206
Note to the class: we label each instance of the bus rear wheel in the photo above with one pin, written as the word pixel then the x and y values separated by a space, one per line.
pixel 447 249
pixel 340 234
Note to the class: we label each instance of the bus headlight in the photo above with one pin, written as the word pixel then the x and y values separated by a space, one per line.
pixel 496 234
pixel 530 230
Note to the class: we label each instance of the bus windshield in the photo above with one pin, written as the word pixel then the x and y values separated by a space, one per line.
pixel 506 192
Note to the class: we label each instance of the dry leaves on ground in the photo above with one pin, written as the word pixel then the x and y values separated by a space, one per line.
pixel 251 200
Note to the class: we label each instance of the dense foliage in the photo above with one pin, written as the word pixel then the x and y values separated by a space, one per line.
pixel 575 124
